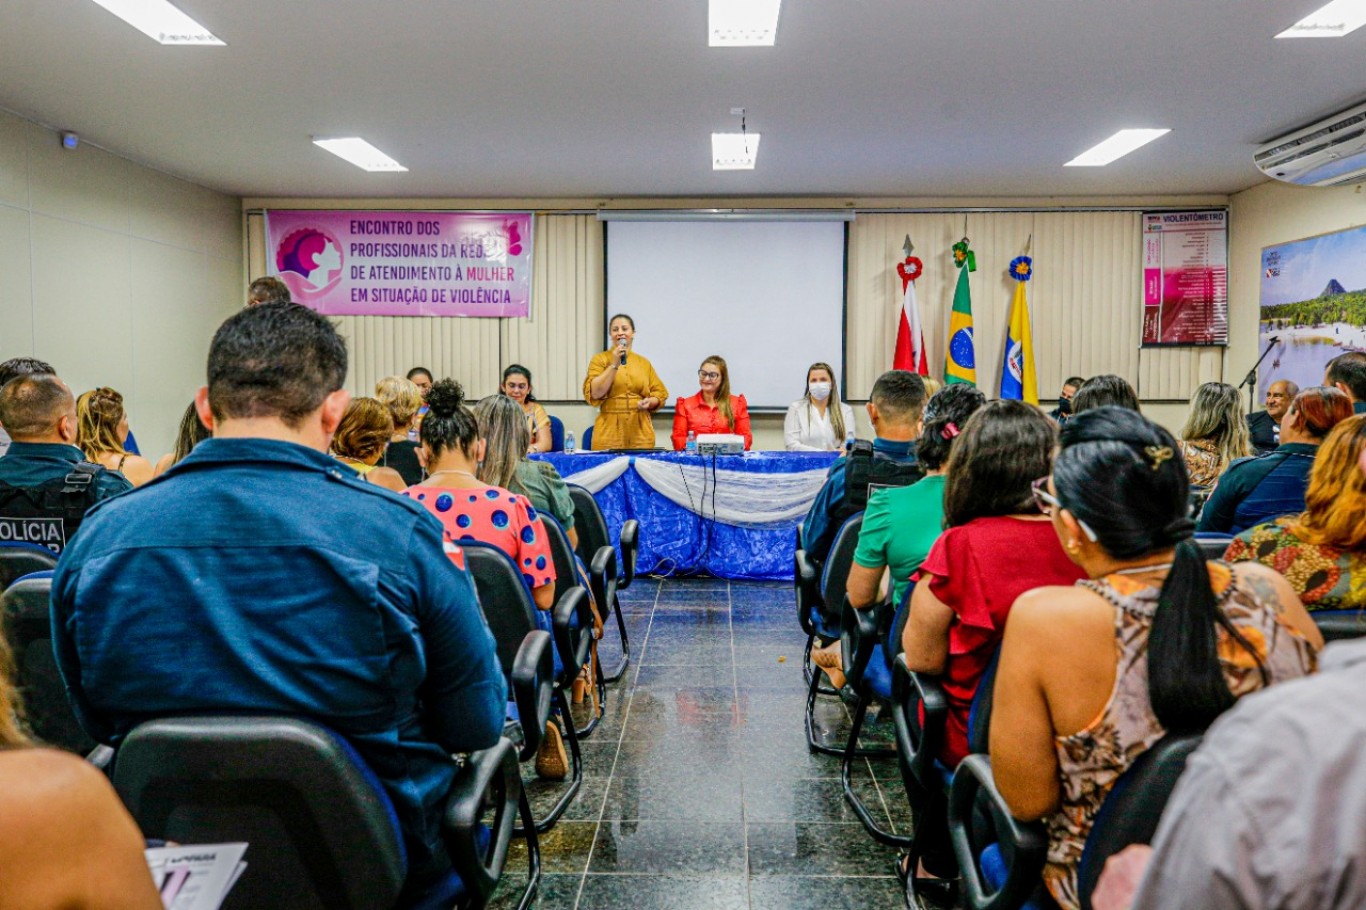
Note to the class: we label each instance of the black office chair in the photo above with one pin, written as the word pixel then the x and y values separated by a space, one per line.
pixel 1338 625
pixel 819 612
pixel 593 536
pixel 512 614
pixel 320 828
pixel 568 578
pixel 865 647
pixel 1128 816
pixel 1213 545
pixel 20 559
pixel 28 629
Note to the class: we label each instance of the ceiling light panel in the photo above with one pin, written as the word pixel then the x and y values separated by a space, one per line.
pixel 360 153
pixel 1117 146
pixel 742 23
pixel 734 151
pixel 161 22
pixel 1332 21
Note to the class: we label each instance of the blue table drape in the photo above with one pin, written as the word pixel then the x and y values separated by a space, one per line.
pixel 677 540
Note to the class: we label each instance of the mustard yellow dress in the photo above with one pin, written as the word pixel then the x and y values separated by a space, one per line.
pixel 621 424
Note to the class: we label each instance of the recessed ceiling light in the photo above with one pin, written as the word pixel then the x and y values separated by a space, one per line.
pixel 1117 146
pixel 360 153
pixel 161 21
pixel 742 23
pixel 1332 21
pixel 734 151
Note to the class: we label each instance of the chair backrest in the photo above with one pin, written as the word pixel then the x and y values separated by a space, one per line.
pixel 979 712
pixel 1134 806
pixel 589 522
pixel 20 559
pixel 587 444
pixel 321 830
pixel 566 569
pixel 504 598
pixel 1213 545
pixel 835 574
pixel 1337 625
pixel 556 433
pixel 28 629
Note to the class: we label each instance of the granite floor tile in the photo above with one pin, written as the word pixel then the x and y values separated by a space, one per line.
pixel 692 660
pixel 659 847
pixel 679 796
pixel 785 677
pixel 665 892
pixel 556 892
pixel 772 799
pixel 587 805
pixel 815 848
pixel 564 848
pixel 788 892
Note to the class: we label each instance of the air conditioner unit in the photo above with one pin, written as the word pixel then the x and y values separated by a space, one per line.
pixel 1331 152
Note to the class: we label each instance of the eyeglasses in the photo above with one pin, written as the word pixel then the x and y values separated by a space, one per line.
pixel 707 374
pixel 1047 503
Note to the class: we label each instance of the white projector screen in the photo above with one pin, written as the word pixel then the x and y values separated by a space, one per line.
pixel 768 296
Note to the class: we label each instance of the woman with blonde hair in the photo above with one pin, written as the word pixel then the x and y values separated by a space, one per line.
pixel 713 409
pixel 505 464
pixel 360 441
pixel 102 428
pixel 1215 433
pixel 404 400
pixel 819 421
pixel 1322 552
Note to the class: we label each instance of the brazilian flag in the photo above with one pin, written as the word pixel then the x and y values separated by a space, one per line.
pixel 960 364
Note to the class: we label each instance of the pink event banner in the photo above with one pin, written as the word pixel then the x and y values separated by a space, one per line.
pixel 404 263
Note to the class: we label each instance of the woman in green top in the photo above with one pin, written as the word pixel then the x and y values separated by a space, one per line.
pixel 503 423
pixel 900 524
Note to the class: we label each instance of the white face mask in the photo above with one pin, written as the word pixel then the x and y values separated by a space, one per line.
pixel 819 390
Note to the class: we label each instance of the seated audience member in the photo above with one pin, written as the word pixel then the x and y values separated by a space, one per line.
pixel 1215 433
pixel 66 838
pixel 1322 552
pixel 422 378
pixel 1268 812
pixel 819 420
pixel 285 585
pixel 1070 387
pixel 713 409
pixel 361 439
pixel 19 366
pixel 102 428
pixel 505 464
pixel 43 463
pixel 897 400
pixel 517 386
pixel 901 524
pixel 995 546
pixel 470 509
pixel 1347 373
pixel 1264 427
pixel 267 290
pixel 1105 389
pixel 403 399
pixel 1254 490
pixel 191 433
pixel 1156 640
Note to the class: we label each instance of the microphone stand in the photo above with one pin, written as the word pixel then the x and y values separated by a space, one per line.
pixel 1250 380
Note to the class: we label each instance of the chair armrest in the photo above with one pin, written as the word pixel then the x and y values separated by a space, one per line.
pixel 630 544
pixel 533 683
pixel 1023 845
pixel 921 712
pixel 101 757
pixel 602 578
pixel 572 622
pixel 807 577
pixel 489 780
pixel 859 634
pixel 1339 625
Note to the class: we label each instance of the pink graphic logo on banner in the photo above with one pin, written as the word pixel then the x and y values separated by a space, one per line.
pixel 309 261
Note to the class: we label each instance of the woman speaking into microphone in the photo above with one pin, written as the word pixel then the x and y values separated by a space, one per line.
pixel 625 389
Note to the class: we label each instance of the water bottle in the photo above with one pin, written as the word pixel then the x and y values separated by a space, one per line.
pixel 849 441
pixel 691 447
pixel 569 442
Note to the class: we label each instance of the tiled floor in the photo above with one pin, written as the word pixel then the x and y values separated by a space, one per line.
pixel 699 789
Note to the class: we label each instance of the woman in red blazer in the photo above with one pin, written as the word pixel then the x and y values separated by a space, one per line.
pixel 713 409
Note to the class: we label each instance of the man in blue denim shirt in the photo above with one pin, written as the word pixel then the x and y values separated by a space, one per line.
pixel 261 576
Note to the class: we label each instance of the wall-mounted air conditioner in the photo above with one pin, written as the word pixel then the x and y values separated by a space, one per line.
pixel 1330 152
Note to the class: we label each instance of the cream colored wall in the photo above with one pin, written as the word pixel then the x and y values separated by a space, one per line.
pixel 114 273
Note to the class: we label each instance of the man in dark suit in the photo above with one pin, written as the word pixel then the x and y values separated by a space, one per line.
pixel 1265 426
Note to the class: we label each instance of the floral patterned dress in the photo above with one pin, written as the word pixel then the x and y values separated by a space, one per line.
pixel 1091 760
pixel 1325 577
pixel 1203 464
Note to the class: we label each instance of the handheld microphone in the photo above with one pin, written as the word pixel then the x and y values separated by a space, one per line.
pixel 621 343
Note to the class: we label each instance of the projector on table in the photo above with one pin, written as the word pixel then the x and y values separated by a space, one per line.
pixel 720 444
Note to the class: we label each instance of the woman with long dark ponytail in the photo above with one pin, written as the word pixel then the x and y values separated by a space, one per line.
pixel 1156 640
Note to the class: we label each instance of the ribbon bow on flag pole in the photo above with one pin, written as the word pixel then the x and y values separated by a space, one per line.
pixel 910 333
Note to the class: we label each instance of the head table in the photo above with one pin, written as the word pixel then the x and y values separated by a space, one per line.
pixel 732 516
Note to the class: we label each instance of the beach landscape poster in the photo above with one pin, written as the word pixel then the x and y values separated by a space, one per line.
pixel 1314 300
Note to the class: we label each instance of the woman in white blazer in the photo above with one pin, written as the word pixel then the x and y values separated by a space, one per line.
pixel 812 425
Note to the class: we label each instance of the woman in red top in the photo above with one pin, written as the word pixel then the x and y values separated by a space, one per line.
pixel 713 409
pixel 995 547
